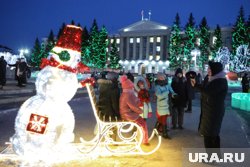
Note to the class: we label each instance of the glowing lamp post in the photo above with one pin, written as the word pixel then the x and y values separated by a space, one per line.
pixel 23 52
pixel 195 53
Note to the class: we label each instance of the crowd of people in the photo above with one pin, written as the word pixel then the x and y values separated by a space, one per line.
pixel 129 98
pixel 21 69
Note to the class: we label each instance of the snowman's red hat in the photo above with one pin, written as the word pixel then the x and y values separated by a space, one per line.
pixel 66 54
pixel 67 50
pixel 70 38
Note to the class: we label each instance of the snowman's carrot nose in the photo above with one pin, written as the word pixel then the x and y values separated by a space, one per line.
pixel 81 68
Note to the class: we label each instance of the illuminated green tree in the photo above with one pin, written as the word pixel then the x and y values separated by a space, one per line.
pixel 85 47
pixel 175 45
pixel 239 34
pixel 190 39
pixel 114 56
pixel 35 54
pixel 204 36
pixel 50 42
pixel 217 42
pixel 101 58
pixel 96 51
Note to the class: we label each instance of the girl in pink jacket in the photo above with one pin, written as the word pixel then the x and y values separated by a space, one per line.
pixel 129 106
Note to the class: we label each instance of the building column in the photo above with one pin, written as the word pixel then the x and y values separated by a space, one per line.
pixel 134 48
pixel 147 48
pixel 162 49
pixel 141 48
pixel 154 48
pixel 127 48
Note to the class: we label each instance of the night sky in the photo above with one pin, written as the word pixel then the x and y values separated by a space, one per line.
pixel 24 20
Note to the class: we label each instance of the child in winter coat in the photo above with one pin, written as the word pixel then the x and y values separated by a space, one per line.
pixel 162 90
pixel 129 106
pixel 144 97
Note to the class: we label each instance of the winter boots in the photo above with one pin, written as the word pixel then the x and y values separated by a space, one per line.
pixel 157 126
pixel 163 130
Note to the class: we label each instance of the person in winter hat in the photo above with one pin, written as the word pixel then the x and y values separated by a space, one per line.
pixel 213 105
pixel 162 92
pixel 129 106
pixel 108 101
pixel 179 103
pixel 109 94
pixel 144 97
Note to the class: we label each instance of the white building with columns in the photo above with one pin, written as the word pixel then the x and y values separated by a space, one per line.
pixel 145 44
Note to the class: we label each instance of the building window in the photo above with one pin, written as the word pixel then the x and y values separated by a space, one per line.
pixel 214 40
pixel 131 40
pixel 151 40
pixel 112 40
pixel 158 57
pixel 118 40
pixel 150 57
pixel 118 48
pixel 158 48
pixel 158 39
pixel 138 40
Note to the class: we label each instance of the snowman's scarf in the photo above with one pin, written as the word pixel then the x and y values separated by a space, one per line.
pixel 52 62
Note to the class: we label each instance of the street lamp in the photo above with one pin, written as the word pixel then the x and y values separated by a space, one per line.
pixel 22 52
pixel 195 53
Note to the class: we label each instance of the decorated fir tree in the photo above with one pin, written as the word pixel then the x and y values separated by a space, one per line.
pixel 102 47
pixel 114 56
pixel 35 54
pixel 175 48
pixel 96 53
pixel 50 42
pixel 92 52
pixel 217 41
pixel 61 30
pixel 240 32
pixel 190 39
pixel 85 46
pixel 204 36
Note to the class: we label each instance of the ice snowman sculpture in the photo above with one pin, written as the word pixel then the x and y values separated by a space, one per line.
pixel 45 122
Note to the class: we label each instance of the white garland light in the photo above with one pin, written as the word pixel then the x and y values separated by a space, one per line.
pixel 241 60
pixel 223 55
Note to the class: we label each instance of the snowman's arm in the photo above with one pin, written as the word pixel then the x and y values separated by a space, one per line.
pixel 83 83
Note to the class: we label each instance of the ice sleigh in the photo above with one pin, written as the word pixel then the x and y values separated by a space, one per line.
pixel 129 135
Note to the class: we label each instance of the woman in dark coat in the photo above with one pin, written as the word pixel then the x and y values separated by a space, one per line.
pixel 3 65
pixel 190 92
pixel 179 102
pixel 213 107
pixel 245 83
pixel 109 94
